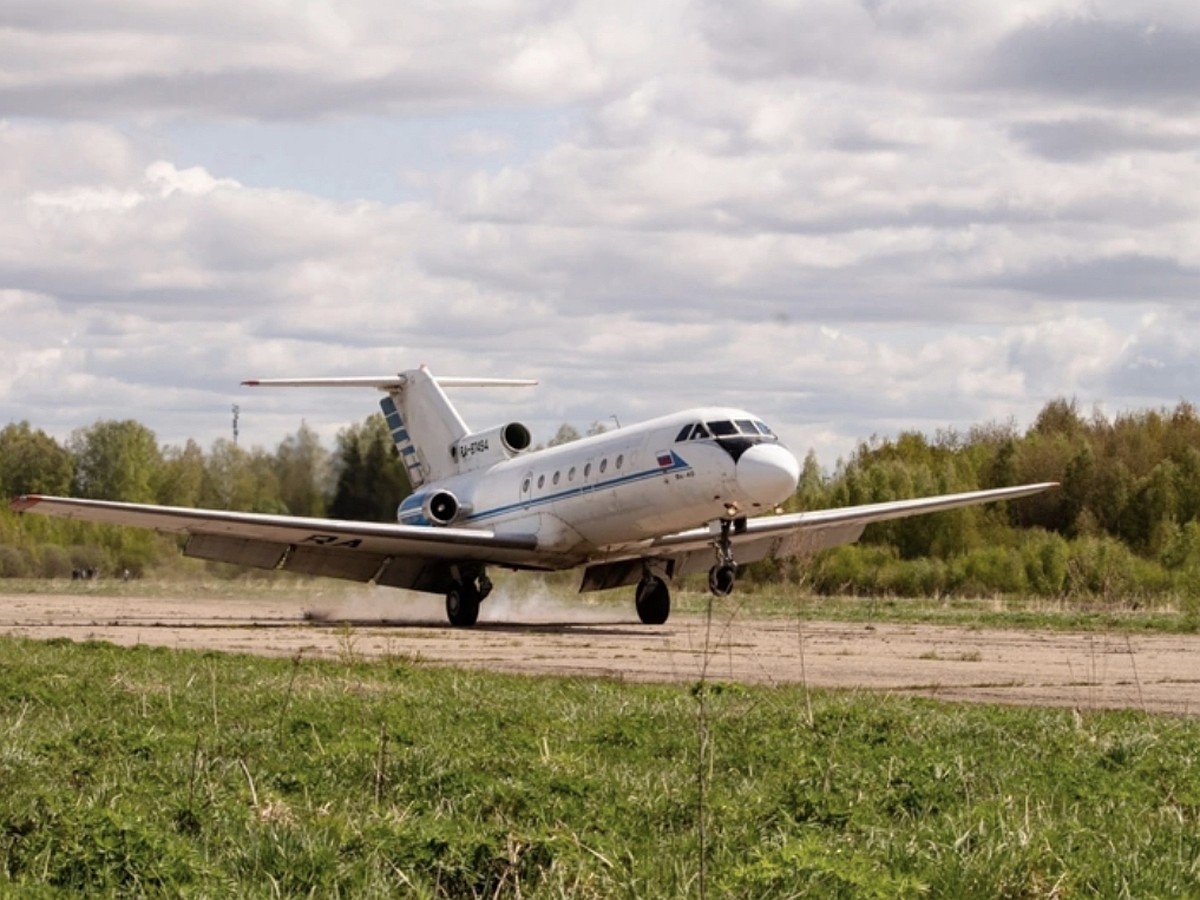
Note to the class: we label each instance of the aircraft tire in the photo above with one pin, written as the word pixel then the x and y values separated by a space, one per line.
pixel 721 580
pixel 653 601
pixel 462 606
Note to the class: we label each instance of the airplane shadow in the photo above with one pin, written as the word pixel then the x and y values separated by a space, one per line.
pixel 589 629
pixel 597 629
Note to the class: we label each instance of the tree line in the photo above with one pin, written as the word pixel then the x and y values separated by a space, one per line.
pixel 1124 525
pixel 362 478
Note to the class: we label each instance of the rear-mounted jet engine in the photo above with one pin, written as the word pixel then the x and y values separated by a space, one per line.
pixel 489 447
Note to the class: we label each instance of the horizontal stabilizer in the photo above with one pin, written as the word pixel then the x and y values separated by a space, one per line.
pixel 385 382
pixel 423 423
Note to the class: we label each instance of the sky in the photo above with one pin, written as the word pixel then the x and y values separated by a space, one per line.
pixel 852 218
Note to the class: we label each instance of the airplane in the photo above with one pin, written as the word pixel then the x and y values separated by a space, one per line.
pixel 642 505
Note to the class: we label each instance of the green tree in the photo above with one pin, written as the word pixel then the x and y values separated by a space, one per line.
pixel 811 491
pixel 116 461
pixel 302 466
pixel 181 478
pixel 32 462
pixel 370 480
pixel 241 480
pixel 1188 486
pixel 1059 417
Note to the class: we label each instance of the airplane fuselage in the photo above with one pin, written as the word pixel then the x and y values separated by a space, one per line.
pixel 620 488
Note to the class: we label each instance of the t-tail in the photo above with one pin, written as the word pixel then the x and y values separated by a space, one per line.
pixel 432 438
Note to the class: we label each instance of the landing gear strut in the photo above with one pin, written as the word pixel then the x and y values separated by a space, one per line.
pixel 723 576
pixel 463 599
pixel 653 600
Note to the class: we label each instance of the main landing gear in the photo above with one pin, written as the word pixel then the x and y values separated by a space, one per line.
pixel 653 597
pixel 464 597
pixel 653 600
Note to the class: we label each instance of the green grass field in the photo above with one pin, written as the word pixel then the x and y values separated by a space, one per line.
pixel 148 771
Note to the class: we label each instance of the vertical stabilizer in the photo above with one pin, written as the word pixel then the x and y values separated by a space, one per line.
pixel 398 428
pixel 424 426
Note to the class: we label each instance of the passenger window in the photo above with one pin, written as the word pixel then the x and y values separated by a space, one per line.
pixel 541 481
pixel 587 470
pixel 571 474
pixel 556 478
pixel 620 459
pixel 722 429
pixel 525 486
pixel 603 465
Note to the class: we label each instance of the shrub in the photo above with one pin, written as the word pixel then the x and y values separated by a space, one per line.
pixel 989 570
pixel 849 569
pixel 54 562
pixel 13 563
pixel 913 577
pixel 1106 568
pixel 1044 556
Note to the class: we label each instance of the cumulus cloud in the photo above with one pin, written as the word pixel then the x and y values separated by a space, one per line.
pixel 1120 61
pixel 849 217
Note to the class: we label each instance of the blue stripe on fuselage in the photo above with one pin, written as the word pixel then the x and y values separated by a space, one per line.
pixel 410 512
pixel 677 465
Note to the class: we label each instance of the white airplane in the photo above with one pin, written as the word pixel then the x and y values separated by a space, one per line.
pixel 644 504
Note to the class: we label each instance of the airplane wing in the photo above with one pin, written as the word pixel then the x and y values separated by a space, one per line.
pixel 779 537
pixel 390 554
pixel 419 557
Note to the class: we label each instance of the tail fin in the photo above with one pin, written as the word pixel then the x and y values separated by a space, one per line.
pixel 423 423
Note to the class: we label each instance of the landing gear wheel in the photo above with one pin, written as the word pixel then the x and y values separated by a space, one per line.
pixel 723 575
pixel 721 579
pixel 462 605
pixel 653 600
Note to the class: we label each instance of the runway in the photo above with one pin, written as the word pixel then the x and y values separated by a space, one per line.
pixel 1153 673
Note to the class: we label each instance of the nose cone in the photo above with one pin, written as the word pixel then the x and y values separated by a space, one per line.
pixel 768 474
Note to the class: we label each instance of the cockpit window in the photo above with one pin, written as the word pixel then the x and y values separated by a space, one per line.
pixel 693 432
pixel 763 429
pixel 745 426
pixel 722 429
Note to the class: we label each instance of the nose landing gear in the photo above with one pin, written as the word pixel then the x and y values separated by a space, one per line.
pixel 723 576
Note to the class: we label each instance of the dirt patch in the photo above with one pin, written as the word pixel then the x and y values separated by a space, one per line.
pixel 539 636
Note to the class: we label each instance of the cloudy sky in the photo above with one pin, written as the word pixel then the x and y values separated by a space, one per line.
pixel 849 217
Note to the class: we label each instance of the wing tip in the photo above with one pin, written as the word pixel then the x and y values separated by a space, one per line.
pixel 25 502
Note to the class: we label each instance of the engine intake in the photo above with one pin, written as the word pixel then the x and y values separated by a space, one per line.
pixel 442 508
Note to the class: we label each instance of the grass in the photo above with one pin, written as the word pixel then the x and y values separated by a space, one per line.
pixel 153 772
pixel 1064 614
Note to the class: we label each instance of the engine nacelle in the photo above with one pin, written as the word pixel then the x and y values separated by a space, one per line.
pixel 488 447
pixel 442 508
